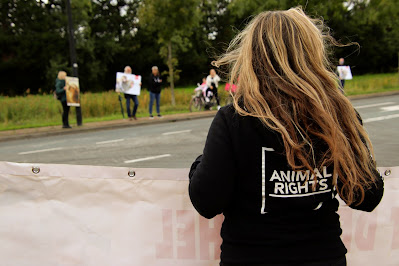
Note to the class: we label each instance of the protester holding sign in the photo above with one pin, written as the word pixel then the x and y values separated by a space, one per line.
pixel 343 72
pixel 60 88
pixel 275 160
pixel 212 81
pixel 154 87
pixel 125 86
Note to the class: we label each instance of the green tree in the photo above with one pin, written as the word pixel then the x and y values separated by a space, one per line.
pixel 174 22
pixel 30 35
pixel 184 34
pixel 209 41
pixel 374 25
pixel 113 28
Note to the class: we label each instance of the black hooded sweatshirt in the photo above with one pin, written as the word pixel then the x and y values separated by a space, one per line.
pixel 154 84
pixel 272 215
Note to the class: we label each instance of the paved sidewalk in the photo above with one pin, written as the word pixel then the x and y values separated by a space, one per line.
pixel 373 95
pixel 27 133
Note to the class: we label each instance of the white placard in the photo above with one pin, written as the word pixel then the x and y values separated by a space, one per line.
pixel 344 72
pixel 128 83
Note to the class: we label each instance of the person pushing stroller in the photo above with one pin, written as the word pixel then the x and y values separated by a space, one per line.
pixel 212 81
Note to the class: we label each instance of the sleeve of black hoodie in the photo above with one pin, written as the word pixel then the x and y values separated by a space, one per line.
pixel 151 83
pixel 212 174
pixel 373 195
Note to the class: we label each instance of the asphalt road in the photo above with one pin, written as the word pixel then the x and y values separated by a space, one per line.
pixel 177 144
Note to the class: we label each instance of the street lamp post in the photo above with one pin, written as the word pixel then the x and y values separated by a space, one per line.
pixel 72 52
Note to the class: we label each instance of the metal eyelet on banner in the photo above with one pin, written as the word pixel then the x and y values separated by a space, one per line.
pixel 131 173
pixel 387 172
pixel 35 169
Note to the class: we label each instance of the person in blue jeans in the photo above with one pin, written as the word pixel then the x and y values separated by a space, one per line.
pixel 128 97
pixel 154 87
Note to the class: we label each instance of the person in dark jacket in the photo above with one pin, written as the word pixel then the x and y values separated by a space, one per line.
pixel 275 160
pixel 60 88
pixel 154 87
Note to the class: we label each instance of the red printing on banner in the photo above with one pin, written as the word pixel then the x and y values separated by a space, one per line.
pixel 210 235
pixel 165 249
pixel 185 229
pixel 395 220
pixel 186 234
pixel 346 221
pixel 366 227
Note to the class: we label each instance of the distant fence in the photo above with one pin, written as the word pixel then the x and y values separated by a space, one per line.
pixel 93 215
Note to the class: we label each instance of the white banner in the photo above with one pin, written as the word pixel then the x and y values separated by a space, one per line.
pixel 93 215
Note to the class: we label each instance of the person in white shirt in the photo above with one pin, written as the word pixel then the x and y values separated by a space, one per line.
pixel 128 70
pixel 342 74
pixel 212 81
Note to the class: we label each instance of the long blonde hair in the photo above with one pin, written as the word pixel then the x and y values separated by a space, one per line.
pixel 280 65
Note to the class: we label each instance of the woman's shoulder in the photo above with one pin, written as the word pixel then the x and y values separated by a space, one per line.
pixel 249 127
pixel 230 115
pixel 228 110
pixel 234 118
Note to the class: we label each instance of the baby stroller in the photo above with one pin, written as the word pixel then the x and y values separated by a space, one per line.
pixel 200 101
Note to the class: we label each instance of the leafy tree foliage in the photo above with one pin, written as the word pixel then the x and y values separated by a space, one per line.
pixel 173 21
pixel 182 36
pixel 28 41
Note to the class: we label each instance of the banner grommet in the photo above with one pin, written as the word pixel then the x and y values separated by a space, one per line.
pixel 35 169
pixel 131 173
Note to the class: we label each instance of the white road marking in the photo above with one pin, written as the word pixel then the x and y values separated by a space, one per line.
pixel 380 118
pixel 37 151
pixel 148 158
pixel 390 108
pixel 176 132
pixel 109 141
pixel 372 105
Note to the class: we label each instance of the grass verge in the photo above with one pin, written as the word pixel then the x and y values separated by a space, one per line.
pixel 43 110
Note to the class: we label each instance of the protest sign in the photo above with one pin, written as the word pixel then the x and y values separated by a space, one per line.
pixel 344 72
pixel 72 91
pixel 128 83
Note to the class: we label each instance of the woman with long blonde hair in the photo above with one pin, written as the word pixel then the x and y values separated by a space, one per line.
pixel 276 158
pixel 60 90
